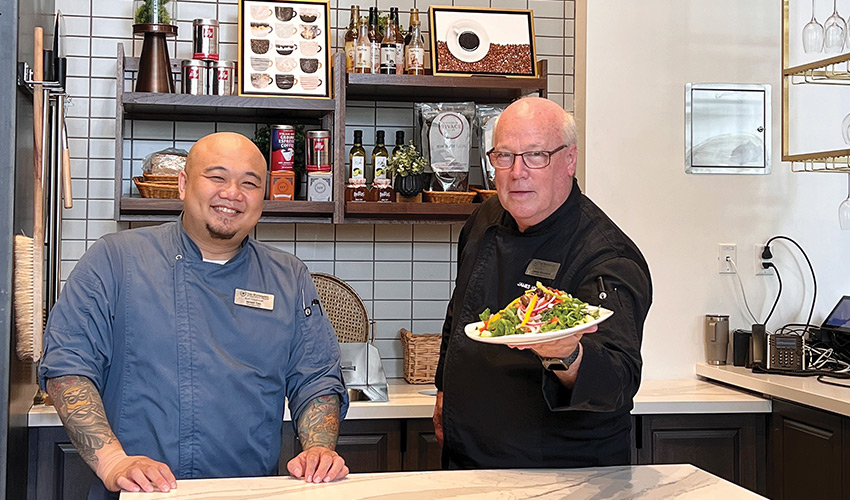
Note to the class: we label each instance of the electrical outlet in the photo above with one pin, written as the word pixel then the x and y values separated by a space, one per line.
pixel 760 270
pixel 725 252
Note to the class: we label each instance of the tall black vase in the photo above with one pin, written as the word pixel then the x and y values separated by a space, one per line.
pixel 409 185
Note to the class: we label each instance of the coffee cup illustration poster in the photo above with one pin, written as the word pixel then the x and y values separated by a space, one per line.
pixel 284 48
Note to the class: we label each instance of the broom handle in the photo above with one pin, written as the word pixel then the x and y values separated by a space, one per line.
pixel 38 191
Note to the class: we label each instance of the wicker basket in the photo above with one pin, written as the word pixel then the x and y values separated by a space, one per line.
pixel 483 194
pixel 421 354
pixel 164 179
pixel 448 196
pixel 156 189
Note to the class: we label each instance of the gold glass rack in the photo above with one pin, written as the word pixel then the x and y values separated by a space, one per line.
pixel 831 71
pixel 827 161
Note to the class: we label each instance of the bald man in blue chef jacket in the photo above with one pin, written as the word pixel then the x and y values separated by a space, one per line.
pixel 172 349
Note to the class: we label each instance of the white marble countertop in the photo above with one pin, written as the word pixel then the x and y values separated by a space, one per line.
pixel 803 390
pixel 648 482
pixel 417 401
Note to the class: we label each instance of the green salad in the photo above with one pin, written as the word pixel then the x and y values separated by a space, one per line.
pixel 538 310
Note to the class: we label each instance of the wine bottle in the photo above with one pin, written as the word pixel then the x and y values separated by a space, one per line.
pixel 351 38
pixel 363 49
pixel 388 45
pixel 375 39
pixel 414 52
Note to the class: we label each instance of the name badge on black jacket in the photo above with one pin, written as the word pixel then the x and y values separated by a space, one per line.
pixel 543 269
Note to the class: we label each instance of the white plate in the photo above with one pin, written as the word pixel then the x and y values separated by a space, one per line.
pixel 471 331
pixel 459 52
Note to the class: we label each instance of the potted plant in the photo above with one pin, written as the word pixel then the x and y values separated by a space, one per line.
pixel 407 167
pixel 153 12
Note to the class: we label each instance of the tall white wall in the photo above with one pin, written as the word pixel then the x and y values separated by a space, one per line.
pixel 639 57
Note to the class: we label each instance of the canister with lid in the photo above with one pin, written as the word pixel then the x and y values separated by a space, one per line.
pixel 194 77
pixel 282 148
pixel 205 39
pixel 318 150
pixel 221 77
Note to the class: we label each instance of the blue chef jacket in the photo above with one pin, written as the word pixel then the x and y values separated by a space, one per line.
pixel 187 376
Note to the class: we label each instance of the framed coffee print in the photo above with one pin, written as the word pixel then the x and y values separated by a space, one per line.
pixel 284 48
pixel 478 41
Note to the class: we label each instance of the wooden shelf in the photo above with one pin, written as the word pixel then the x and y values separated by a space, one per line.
pixel 151 209
pixel 183 107
pixel 416 88
pixel 372 212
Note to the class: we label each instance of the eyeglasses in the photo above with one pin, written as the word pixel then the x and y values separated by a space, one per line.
pixel 532 159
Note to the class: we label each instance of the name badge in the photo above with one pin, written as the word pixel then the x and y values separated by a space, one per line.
pixel 543 269
pixel 256 300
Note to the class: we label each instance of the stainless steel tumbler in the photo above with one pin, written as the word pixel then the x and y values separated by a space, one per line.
pixel 716 338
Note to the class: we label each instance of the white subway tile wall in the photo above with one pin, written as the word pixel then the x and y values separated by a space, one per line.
pixel 404 273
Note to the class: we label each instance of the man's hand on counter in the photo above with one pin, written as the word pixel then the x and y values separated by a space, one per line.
pixel 136 473
pixel 318 465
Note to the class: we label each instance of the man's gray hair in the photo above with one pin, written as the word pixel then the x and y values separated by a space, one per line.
pixel 568 129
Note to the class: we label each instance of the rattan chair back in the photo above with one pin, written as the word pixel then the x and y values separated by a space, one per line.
pixel 344 308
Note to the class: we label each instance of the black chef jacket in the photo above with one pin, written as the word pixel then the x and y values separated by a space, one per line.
pixel 501 409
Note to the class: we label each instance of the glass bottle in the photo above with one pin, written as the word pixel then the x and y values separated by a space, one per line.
pixel 375 39
pixel 399 142
pixel 351 38
pixel 380 156
pixel 357 157
pixel 399 44
pixel 388 45
pixel 363 49
pixel 414 52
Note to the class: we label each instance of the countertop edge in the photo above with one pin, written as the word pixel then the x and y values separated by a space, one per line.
pixel 767 384
pixel 658 397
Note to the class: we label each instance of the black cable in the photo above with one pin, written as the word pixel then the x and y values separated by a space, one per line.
pixel 778 294
pixel 767 255
pixel 821 380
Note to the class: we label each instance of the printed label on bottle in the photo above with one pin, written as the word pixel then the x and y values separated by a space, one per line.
pixel 376 57
pixel 399 58
pixel 415 58
pixel 449 140
pixel 363 57
pixel 349 56
pixel 380 167
pixel 388 57
pixel 358 170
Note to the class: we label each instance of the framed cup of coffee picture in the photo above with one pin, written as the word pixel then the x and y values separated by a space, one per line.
pixel 469 41
pixel 284 48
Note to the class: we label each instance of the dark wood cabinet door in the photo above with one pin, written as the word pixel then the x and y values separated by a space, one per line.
pixel 366 445
pixel 422 451
pixel 730 446
pixel 806 451
pixel 61 474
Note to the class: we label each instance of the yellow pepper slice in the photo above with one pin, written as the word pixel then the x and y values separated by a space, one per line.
pixel 528 311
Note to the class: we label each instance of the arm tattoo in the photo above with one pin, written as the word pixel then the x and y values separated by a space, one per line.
pixel 79 406
pixel 318 424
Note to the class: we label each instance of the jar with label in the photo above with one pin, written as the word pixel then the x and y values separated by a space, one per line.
pixel 382 191
pixel 356 190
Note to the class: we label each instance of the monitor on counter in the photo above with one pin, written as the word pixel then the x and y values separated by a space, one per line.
pixel 839 319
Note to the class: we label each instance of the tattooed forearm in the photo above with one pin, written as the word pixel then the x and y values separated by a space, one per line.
pixel 318 424
pixel 81 410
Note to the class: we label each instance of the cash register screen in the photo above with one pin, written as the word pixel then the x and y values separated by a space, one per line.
pixel 839 318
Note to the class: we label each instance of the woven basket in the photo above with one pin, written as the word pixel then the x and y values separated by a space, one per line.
pixel 483 194
pixel 448 196
pixel 156 189
pixel 421 354
pixel 165 179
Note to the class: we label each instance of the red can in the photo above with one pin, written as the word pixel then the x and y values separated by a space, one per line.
pixel 282 148
pixel 318 149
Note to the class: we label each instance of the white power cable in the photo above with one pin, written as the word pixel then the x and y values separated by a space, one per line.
pixel 741 283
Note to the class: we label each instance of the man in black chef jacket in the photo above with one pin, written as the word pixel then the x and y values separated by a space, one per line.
pixel 563 403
